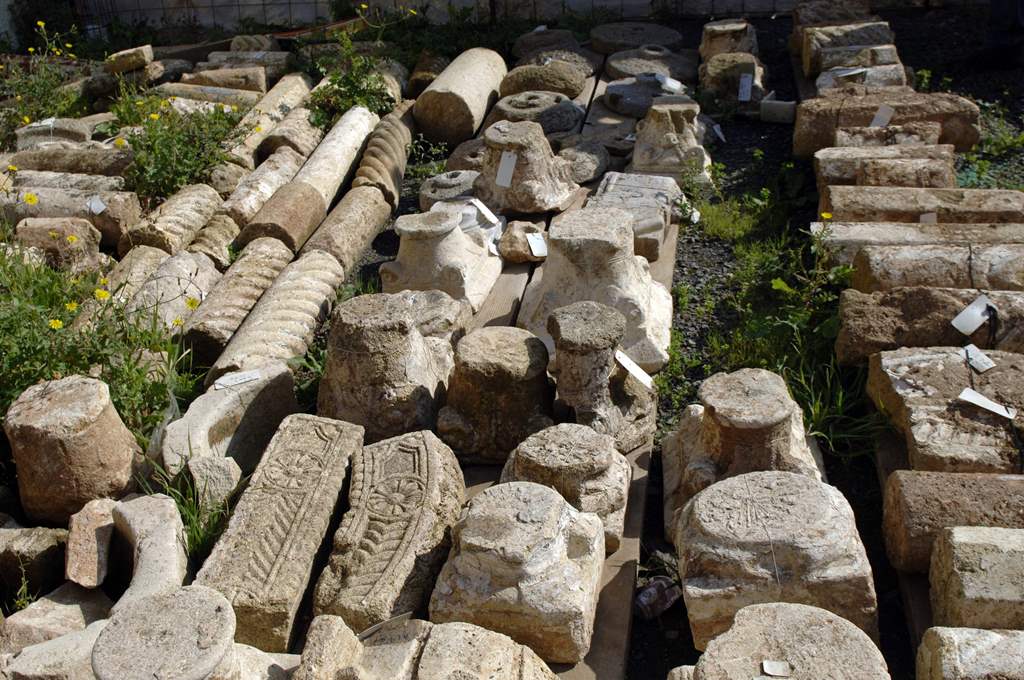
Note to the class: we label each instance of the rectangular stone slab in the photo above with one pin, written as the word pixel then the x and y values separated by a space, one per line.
pixel 971 654
pixel 844 239
pixel 954 266
pixel 263 561
pixel 909 204
pixel 907 172
pixel 837 165
pixel 818 38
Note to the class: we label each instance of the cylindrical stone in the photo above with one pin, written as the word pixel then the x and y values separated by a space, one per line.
pixel 294 131
pixel 452 108
pixel 387 150
pixel 446 186
pixel 268 111
pixel 86 161
pixel 333 160
pixel 66 180
pixel 246 78
pixel 256 189
pixel 426 70
pixel 112 212
pixel 215 239
pixel 209 93
pixel 176 222
pixel 291 215
pixel 349 229
pixel 169 296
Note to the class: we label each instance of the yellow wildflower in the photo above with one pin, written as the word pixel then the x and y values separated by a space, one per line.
pixel 234 107
pixel 17 98
pixel 1 67
pixel 258 128
pixel 72 239
pixel 31 50
pixel 154 116
pixel 191 302
pixel 364 6
pixel 71 306
pixel 31 199
pixel 26 120
pixel 119 142
pixel 41 24
pixel 177 321
pixel 412 12
pixel 826 215
pixel 56 51
pixel 164 104
pixel 104 280
pixel 53 235
pixel 12 168
pixel 71 56
pixel 101 294
pixel 56 324
pixel 139 102
pixel 67 45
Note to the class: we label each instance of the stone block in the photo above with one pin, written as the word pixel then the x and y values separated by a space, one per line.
pixel 840 165
pixel 90 532
pixel 128 60
pixel 970 654
pixel 920 133
pixel 907 172
pixel 110 162
pixel 71 244
pixel 908 204
pixel 208 93
pixel 51 130
pixel 34 555
pixel 67 180
pixel 818 38
pixel 244 78
pixel 68 657
pixel 113 213
pixel 67 609
pixel 452 108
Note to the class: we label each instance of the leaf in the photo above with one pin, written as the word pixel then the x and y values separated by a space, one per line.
pixel 782 286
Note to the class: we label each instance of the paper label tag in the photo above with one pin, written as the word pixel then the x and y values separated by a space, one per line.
pixel 546 60
pixel 978 360
pixel 634 370
pixel 973 315
pixel 717 129
pixel 847 71
pixel 96 205
pixel 667 83
pixel 777 669
pixel 631 137
pixel 492 249
pixel 928 218
pixel 540 28
pixel 538 246
pixel 882 116
pixel 694 216
pixel 485 211
pixel 506 166
pixel 746 87
pixel 978 399
pixel 237 378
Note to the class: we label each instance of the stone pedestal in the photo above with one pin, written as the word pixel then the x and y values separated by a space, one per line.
pixel 452 108
pixel 153 530
pixel 666 144
pixel 727 35
pixel 554 112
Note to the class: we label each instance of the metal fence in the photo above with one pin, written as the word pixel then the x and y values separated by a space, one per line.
pixel 97 15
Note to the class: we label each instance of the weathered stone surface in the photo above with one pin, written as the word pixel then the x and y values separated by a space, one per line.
pixel 918 505
pixel 294 131
pixel 918 388
pixel 254 43
pixel 452 108
pixel 906 172
pixel 270 109
pixel 475 653
pixel 173 291
pixel 555 76
pixel 918 133
pixel 256 189
pixel 214 479
pixel 155 534
pixel 589 160
pixel 919 317
pixel 330 648
pixel 68 657
pixel 446 186
pixel 818 38
pixel 427 68
pixel 654 59
pixel 349 229
pixel 590 257
pixel 498 393
pixel 845 239
pixel 629 35
pixel 817 119
pixel 71 244
pixel 276 63
pixel 52 129
pixel 727 35
pixel 406 493
pixel 67 609
pixel 970 654
pixel 633 96
pixel 746 422
pixel 67 180
pixel 535 41
pixel 174 224
pixel 212 325
pixel 553 111
pixel 908 204
pixel 215 240
pixel 186 633
pixel 90 531
pixel 35 555
pixel 329 165
pixel 291 216
pixel 128 60
pixel 527 564
pixel 245 78
pixel 112 212
pixel 69 445
pixel 873 76
pixel 720 77
pixel 960 266
pixel 651 201
pixel 733 536
pixel 975 578
pixel 79 160
pixel 387 150
pixel 682 673
pixel 388 360
pixel 583 60
pixel 581 465
pixel 435 254
pixel 236 421
pixel 468 155
pixel 284 319
pixel 514 246
pixel 208 93
pixel 263 561
pixel 596 388
pixel 815 643
pixel 226 176
pixel 666 145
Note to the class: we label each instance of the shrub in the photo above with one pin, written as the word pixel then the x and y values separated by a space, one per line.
pixel 352 80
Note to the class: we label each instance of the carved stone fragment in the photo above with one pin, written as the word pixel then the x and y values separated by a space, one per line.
pixel 387 149
pixel 446 186
pixel 90 531
pixel 152 527
pixel 266 112
pixel 349 229
pixel 666 144
pixel 970 654
pixel 454 105
pixel 173 291
pixel 553 111
pixel 257 188
pixel 174 224
pixel 651 201
pixel 215 239
pixel 727 35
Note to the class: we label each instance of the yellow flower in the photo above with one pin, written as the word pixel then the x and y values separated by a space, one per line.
pixel 31 50
pixel 71 306
pixel 56 324
pixel 177 321
pixel 104 280
pixel 191 302
pixel 154 116
pixel 258 128
pixel 139 102
pixel 26 120
pixel 71 56
pixel 234 107
pixel 364 6
pixel 12 168
pixel 101 294
pixel 412 12
pixel 17 98
pixel 31 199
pixel 41 24
pixel 826 215
pixel 56 51
pixel 1 67
pixel 67 45
pixel 53 235
pixel 164 104
pixel 72 239
pixel 119 142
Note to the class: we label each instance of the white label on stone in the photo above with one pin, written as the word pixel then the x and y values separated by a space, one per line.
pixel 96 205
pixel 978 399
pixel 973 315
pixel 978 360
pixel 546 60
pixel 882 116
pixel 634 370
pixel 718 131
pixel 506 166
pixel 631 137
pixel 847 71
pixel 538 246
pixel 46 122
pixel 777 669
pixel 694 216
pixel 485 211
pixel 928 218
pixel 667 83
pixel 540 28
pixel 493 249
pixel 746 87
pixel 236 378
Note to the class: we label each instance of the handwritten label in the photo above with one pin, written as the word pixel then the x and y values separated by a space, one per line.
pixel 538 246
pixel 717 129
pixel 96 205
pixel 973 315
pixel 928 218
pixel 882 116
pixel 485 211
pixel 978 360
pixel 979 399
pixel 506 166
pixel 634 370
pixel 236 378
pixel 746 87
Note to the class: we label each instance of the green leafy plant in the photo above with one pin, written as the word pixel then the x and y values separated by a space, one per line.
pixel 353 79
pixel 995 162
pixel 426 158
pixel 24 596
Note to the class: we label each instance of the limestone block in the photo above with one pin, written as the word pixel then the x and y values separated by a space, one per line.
pixel 527 564
pixel 435 254
pixel 514 246
pixel 720 77
pixel 185 633
pixel 208 93
pixel 538 181
pixel 349 229
pixel 329 165
pixel 294 131
pixel 817 119
pixel 226 176
pixel 267 111
pixel 970 654
pixel 629 35
pixel 918 505
pixel 468 155
pixel 174 224
pixel 264 559
pixel 128 60
pixel 110 162
pixel 727 35
pixel 447 186
pixel 213 324
pixel 172 292
pixel 589 159
pixel 553 111
pixel 427 68
pixel 155 534
pixel 405 494
pixel 71 244
pixel 67 609
pixel 535 41
pixel 113 213
pixel 244 78
pixel 746 422
pixel 908 204
pixel 330 647
pixel 813 642
pixel 51 129
pixel 498 393
pixel 34 554
pixel 67 180
pixel 921 133
pixel 214 479
pixel 236 421
pixel 454 105
pixel 650 200
pixel 632 96
pixel 555 76
pixel 590 257
pixel 585 61
pixel 276 63
pixel 596 388
pixel 69 445
pixel 387 150
pixel 581 465
pixel 256 189
pixel 874 76
pixel 291 216
pixel 907 172
pixel 254 43
pixel 666 144
pixel 90 531
pixel 682 673
pixel 733 536
pixel 919 317
pixel 681 66
pixel 215 240
pixel 819 38
pixel 388 360
pixel 962 266
pixel 469 651
pixel 68 657
pixel 975 578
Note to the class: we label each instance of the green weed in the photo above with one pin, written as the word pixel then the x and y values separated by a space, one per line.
pixel 353 80
pixel 426 159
